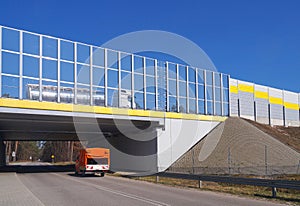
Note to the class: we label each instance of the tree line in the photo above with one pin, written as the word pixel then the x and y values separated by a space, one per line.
pixel 62 151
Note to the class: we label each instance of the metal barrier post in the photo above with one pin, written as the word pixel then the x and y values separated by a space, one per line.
pixel 200 184
pixel 274 192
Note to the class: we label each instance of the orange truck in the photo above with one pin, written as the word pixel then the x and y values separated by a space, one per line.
pixel 93 160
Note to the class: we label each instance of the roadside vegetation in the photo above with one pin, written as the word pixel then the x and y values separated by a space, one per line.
pixel 50 151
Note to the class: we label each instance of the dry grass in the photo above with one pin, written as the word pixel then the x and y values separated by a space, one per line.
pixel 283 195
pixel 63 163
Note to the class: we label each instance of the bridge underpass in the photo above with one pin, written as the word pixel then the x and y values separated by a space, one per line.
pixel 143 144
pixel 97 131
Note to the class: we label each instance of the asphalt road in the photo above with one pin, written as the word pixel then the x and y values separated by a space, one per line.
pixel 66 189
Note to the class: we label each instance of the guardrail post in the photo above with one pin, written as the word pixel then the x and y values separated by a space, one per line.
pixel 274 192
pixel 157 178
pixel 200 184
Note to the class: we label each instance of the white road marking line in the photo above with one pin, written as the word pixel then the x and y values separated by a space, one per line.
pixel 35 197
pixel 131 196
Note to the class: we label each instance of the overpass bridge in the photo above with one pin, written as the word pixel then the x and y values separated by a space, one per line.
pixel 139 140
pixel 148 112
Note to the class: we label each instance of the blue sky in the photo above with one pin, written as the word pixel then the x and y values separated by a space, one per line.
pixel 257 41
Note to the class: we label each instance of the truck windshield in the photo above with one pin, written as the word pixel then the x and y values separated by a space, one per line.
pixel 97 161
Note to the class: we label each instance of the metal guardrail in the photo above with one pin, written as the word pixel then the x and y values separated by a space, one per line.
pixel 256 170
pixel 287 184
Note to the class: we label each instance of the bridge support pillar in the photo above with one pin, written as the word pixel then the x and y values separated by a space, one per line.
pixel 2 153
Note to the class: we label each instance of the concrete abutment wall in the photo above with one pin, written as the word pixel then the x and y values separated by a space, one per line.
pixel 2 153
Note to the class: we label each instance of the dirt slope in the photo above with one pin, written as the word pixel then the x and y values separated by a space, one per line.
pixel 287 135
pixel 237 146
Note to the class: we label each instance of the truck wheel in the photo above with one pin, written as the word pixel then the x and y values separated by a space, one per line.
pixel 102 174
pixel 76 173
pixel 82 173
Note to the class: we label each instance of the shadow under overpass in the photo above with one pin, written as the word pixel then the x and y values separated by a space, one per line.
pixel 37 168
pixel 33 127
pixel 132 142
